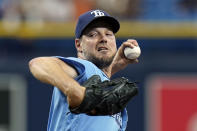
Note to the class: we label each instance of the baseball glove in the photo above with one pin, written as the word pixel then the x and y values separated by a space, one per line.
pixel 106 98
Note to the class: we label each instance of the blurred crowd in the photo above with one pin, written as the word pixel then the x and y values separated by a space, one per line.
pixel 63 10
pixel 69 10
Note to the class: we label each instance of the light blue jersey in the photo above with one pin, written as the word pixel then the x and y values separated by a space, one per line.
pixel 60 117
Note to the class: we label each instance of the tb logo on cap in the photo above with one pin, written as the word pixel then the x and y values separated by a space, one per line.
pixel 97 13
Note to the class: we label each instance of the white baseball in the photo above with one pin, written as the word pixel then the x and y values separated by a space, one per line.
pixel 132 53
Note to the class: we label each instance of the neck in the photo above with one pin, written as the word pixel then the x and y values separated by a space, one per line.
pixel 107 70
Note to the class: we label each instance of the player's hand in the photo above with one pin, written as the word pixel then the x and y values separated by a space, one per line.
pixel 120 61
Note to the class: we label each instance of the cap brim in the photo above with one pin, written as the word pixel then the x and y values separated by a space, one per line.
pixel 115 25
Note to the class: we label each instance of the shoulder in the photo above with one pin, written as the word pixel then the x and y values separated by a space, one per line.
pixel 84 68
pixel 73 61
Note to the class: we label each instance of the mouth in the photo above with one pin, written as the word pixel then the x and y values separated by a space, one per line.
pixel 102 49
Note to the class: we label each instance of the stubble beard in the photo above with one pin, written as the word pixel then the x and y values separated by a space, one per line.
pixel 101 63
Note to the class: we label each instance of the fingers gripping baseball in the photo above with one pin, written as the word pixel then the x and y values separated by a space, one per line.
pixel 120 61
pixel 106 98
pixel 130 43
pixel 131 50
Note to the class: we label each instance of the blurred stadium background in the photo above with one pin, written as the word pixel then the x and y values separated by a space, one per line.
pixel 167 72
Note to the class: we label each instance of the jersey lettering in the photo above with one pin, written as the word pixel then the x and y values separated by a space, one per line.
pixel 118 118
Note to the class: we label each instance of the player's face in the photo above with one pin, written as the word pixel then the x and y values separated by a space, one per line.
pixel 99 46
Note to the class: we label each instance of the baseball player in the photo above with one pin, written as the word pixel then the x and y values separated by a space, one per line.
pixel 84 98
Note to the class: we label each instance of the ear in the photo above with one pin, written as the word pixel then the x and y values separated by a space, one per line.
pixel 78 45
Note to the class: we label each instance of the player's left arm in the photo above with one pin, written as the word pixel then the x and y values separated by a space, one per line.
pixel 120 61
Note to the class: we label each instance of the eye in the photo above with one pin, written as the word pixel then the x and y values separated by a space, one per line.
pixel 92 34
pixel 109 34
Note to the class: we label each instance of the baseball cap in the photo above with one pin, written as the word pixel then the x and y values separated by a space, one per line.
pixel 95 15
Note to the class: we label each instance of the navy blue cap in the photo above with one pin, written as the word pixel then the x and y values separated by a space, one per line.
pixel 95 15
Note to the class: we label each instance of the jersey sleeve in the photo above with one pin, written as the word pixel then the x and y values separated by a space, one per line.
pixel 79 67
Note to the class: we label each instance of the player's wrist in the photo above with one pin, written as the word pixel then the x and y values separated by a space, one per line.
pixel 75 96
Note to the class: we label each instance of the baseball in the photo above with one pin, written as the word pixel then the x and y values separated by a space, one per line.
pixel 132 53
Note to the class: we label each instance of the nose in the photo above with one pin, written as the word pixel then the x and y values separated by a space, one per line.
pixel 103 38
